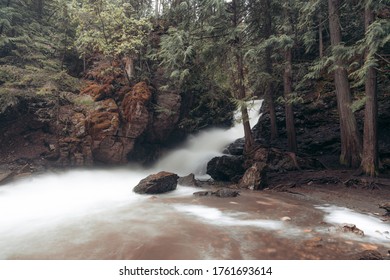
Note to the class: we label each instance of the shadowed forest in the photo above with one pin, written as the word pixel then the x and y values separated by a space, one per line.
pixel 121 83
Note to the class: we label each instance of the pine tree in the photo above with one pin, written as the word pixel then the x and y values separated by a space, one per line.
pixel 287 80
pixel 376 37
pixel 350 139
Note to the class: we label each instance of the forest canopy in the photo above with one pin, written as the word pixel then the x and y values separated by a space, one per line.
pixel 215 53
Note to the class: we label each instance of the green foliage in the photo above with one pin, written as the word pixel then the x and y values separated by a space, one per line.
pixel 176 54
pixel 358 104
pixel 293 98
pixel 375 39
pixel 108 27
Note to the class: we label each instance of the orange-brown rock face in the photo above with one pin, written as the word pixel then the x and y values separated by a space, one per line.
pixel 135 111
pixel 103 125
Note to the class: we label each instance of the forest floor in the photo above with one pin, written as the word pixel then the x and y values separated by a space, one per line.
pixel 334 186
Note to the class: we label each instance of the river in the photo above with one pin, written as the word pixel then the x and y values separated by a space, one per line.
pixel 93 214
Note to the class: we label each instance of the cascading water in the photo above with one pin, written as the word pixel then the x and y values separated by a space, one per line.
pixel 93 214
pixel 32 207
pixel 199 149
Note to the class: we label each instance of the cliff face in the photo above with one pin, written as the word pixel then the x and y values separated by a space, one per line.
pixel 76 130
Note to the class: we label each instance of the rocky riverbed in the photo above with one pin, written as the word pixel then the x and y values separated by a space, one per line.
pixel 81 218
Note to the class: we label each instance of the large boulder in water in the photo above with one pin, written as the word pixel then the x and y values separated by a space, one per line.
pixel 157 183
pixel 226 168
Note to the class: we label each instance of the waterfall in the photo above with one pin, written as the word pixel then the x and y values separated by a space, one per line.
pixel 194 154
pixel 30 206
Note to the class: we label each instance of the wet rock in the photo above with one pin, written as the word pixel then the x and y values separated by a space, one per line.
pixel 103 126
pixel 167 113
pixel 285 219
pixel 386 206
pixel 226 193
pixel 255 177
pixel 219 193
pixel 157 183
pixel 203 193
pixel 226 168
pixel 188 180
pixel 279 161
pixel 352 228
pixel 236 148
pixel 369 255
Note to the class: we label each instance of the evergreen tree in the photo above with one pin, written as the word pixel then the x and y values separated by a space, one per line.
pixel 376 36
pixel 350 138
pixel 287 78
pixel 110 28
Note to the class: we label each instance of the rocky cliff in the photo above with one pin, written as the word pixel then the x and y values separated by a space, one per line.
pixel 73 129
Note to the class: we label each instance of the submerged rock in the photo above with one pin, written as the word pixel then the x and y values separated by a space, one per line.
pixel 226 193
pixel 219 193
pixel 157 183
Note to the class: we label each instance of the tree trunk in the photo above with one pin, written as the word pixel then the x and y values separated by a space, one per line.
pixel 321 38
pixel 249 142
pixel 39 5
pixel 129 67
pixel 370 161
pixel 350 140
pixel 269 93
pixel 287 82
pixel 156 8
pixel 239 83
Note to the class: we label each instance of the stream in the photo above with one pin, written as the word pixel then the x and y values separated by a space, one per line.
pixel 93 214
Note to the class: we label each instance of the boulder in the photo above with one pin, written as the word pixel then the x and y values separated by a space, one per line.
pixel 157 183
pixel 188 180
pixel 226 168
pixel 255 177
pixel 236 148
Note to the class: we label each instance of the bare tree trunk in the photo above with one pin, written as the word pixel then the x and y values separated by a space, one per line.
pixel 269 93
pixel 350 139
pixel 129 67
pixel 370 161
pixel 287 82
pixel 156 8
